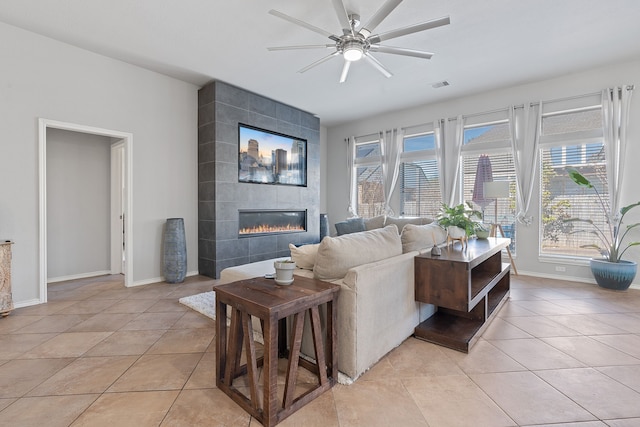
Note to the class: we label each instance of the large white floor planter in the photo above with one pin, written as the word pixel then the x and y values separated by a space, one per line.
pixel 613 275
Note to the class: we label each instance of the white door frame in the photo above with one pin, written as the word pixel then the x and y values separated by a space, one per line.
pixel 127 139
pixel 117 218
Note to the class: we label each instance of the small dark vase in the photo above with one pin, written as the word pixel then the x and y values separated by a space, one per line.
pixel 174 258
pixel 324 226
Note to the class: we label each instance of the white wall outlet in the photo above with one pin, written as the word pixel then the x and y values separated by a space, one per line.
pixel 560 268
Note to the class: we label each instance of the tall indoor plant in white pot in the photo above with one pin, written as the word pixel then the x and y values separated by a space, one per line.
pixel 610 271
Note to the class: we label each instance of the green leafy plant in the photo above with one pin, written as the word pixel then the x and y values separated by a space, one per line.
pixel 612 235
pixel 461 216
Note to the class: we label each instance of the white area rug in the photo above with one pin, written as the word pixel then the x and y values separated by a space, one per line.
pixel 205 303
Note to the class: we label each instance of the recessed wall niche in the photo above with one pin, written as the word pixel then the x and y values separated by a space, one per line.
pixel 220 196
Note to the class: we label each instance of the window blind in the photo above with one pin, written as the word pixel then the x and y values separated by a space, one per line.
pixel 370 191
pixel 561 198
pixel 420 188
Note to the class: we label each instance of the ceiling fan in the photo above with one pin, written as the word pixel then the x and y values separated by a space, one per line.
pixel 357 41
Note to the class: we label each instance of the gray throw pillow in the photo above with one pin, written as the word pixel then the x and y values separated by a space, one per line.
pixel 352 225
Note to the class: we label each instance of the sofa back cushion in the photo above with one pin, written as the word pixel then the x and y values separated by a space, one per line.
pixel 375 222
pixel 336 255
pixel 352 225
pixel 416 237
pixel 401 222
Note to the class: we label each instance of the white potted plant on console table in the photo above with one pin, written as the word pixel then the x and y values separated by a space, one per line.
pixel 459 221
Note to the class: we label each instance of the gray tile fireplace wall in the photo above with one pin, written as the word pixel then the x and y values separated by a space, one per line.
pixel 220 196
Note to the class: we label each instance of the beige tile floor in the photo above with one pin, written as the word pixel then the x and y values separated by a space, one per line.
pixel 98 354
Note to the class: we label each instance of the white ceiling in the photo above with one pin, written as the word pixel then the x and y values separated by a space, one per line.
pixel 489 44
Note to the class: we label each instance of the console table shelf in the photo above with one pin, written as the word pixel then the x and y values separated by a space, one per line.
pixel 467 285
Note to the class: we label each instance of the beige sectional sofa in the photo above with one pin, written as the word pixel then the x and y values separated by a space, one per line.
pixel 377 310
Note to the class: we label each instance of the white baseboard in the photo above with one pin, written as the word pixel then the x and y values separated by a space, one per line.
pixel 27 303
pixel 567 278
pixel 78 276
pixel 158 279
pixel 146 282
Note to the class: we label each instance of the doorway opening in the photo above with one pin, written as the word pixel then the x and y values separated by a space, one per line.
pixel 121 199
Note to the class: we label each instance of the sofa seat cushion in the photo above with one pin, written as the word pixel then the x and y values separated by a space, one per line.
pixel 336 255
pixel 417 237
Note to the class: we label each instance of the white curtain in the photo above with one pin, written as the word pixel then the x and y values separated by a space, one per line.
pixel 351 147
pixel 615 117
pixel 438 136
pixel 390 148
pixel 449 136
pixel 525 126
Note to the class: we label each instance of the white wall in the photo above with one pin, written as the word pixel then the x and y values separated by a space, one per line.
pixel 43 78
pixel 586 82
pixel 78 204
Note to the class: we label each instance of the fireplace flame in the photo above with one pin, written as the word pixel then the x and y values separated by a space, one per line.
pixel 263 229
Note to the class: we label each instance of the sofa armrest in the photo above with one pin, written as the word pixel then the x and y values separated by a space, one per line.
pixel 254 269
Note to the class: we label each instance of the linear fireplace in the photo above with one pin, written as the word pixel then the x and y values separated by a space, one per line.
pixel 273 221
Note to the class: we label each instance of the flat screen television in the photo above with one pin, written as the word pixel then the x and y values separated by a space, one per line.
pixel 267 157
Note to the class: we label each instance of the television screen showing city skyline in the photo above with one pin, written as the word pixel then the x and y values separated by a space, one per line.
pixel 268 157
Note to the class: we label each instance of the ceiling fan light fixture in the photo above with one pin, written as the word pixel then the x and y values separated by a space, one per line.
pixel 356 42
pixel 353 51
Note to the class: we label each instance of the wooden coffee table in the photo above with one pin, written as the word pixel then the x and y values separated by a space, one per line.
pixel 270 303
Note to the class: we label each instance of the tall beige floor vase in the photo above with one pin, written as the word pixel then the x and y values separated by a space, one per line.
pixel 6 301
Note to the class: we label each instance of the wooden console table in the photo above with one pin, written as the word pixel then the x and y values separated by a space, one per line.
pixel 467 286
pixel 270 303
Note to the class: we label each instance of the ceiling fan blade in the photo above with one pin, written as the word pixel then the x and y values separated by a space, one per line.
pixel 377 65
pixel 401 51
pixel 319 61
pixel 380 15
pixel 303 24
pixel 409 30
pixel 306 46
pixel 343 16
pixel 345 71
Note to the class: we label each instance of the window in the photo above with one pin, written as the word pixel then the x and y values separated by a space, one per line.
pixel 492 140
pixel 568 142
pixel 419 177
pixel 572 121
pixel 368 176
pixel 487 133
